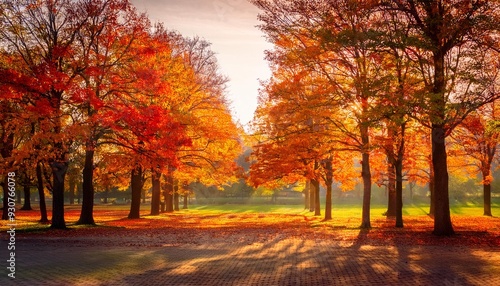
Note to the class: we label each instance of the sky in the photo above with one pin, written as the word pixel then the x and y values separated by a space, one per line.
pixel 230 25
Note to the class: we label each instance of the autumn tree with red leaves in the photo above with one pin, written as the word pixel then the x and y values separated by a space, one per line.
pixel 93 77
pixel 41 35
pixel 106 45
pixel 199 102
pixel 475 140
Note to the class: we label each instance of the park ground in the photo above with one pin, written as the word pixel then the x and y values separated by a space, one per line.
pixel 255 245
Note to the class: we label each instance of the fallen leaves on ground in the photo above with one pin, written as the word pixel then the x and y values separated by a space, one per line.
pixel 113 228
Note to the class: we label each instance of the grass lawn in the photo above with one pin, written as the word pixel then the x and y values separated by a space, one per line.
pixel 205 221
pixel 340 211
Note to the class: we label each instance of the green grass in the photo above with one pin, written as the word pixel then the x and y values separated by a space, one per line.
pixel 344 214
pixel 340 211
pixel 233 208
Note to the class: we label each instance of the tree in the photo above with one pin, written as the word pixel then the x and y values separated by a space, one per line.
pixel 41 34
pixel 199 103
pixel 455 39
pixel 336 41
pixel 476 139
pixel 7 144
pixel 106 45
pixel 294 137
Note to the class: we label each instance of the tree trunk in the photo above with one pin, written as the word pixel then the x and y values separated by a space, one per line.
pixel 5 207
pixel 176 196
pixel 27 196
pixel 399 177
pixel 487 199
pixel 59 165
pixel 79 192
pixel 411 185
pixel 136 188
pixel 399 192
pixel 18 196
pixel 486 196
pixel 432 205
pixel 317 204
pixel 306 195
pixel 185 204
pixel 72 188
pixel 391 186
pixel 106 195
pixel 328 202
pixel 312 192
pixel 442 218
pixel 41 194
pixel 169 193
pixel 328 182
pixel 59 169
pixel 367 177
pixel 87 212
pixel 155 192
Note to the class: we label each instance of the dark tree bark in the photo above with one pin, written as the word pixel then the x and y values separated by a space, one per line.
pixel 487 199
pixel 176 196
pixel 41 193
pixel 317 203
pixel 5 207
pixel 87 212
pixel 486 195
pixel 106 195
pixel 399 177
pixel 155 192
pixel 312 192
pixel 306 195
pixel 366 176
pixel 411 186
pixel 18 196
pixel 79 193
pixel 328 182
pixel 27 194
pixel 399 193
pixel 136 188
pixel 58 173
pixel 169 193
pixel 432 205
pixel 59 165
pixel 72 189
pixel 391 186
pixel 185 203
pixel 442 218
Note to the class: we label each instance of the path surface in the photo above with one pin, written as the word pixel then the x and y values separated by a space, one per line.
pixel 279 261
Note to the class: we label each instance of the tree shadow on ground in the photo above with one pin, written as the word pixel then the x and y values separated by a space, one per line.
pixel 279 260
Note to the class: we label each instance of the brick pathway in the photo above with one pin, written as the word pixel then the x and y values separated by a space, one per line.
pixel 282 261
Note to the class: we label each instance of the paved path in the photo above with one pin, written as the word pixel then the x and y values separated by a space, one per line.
pixel 275 262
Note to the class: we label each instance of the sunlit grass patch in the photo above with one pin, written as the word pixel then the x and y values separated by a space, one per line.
pixel 261 221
